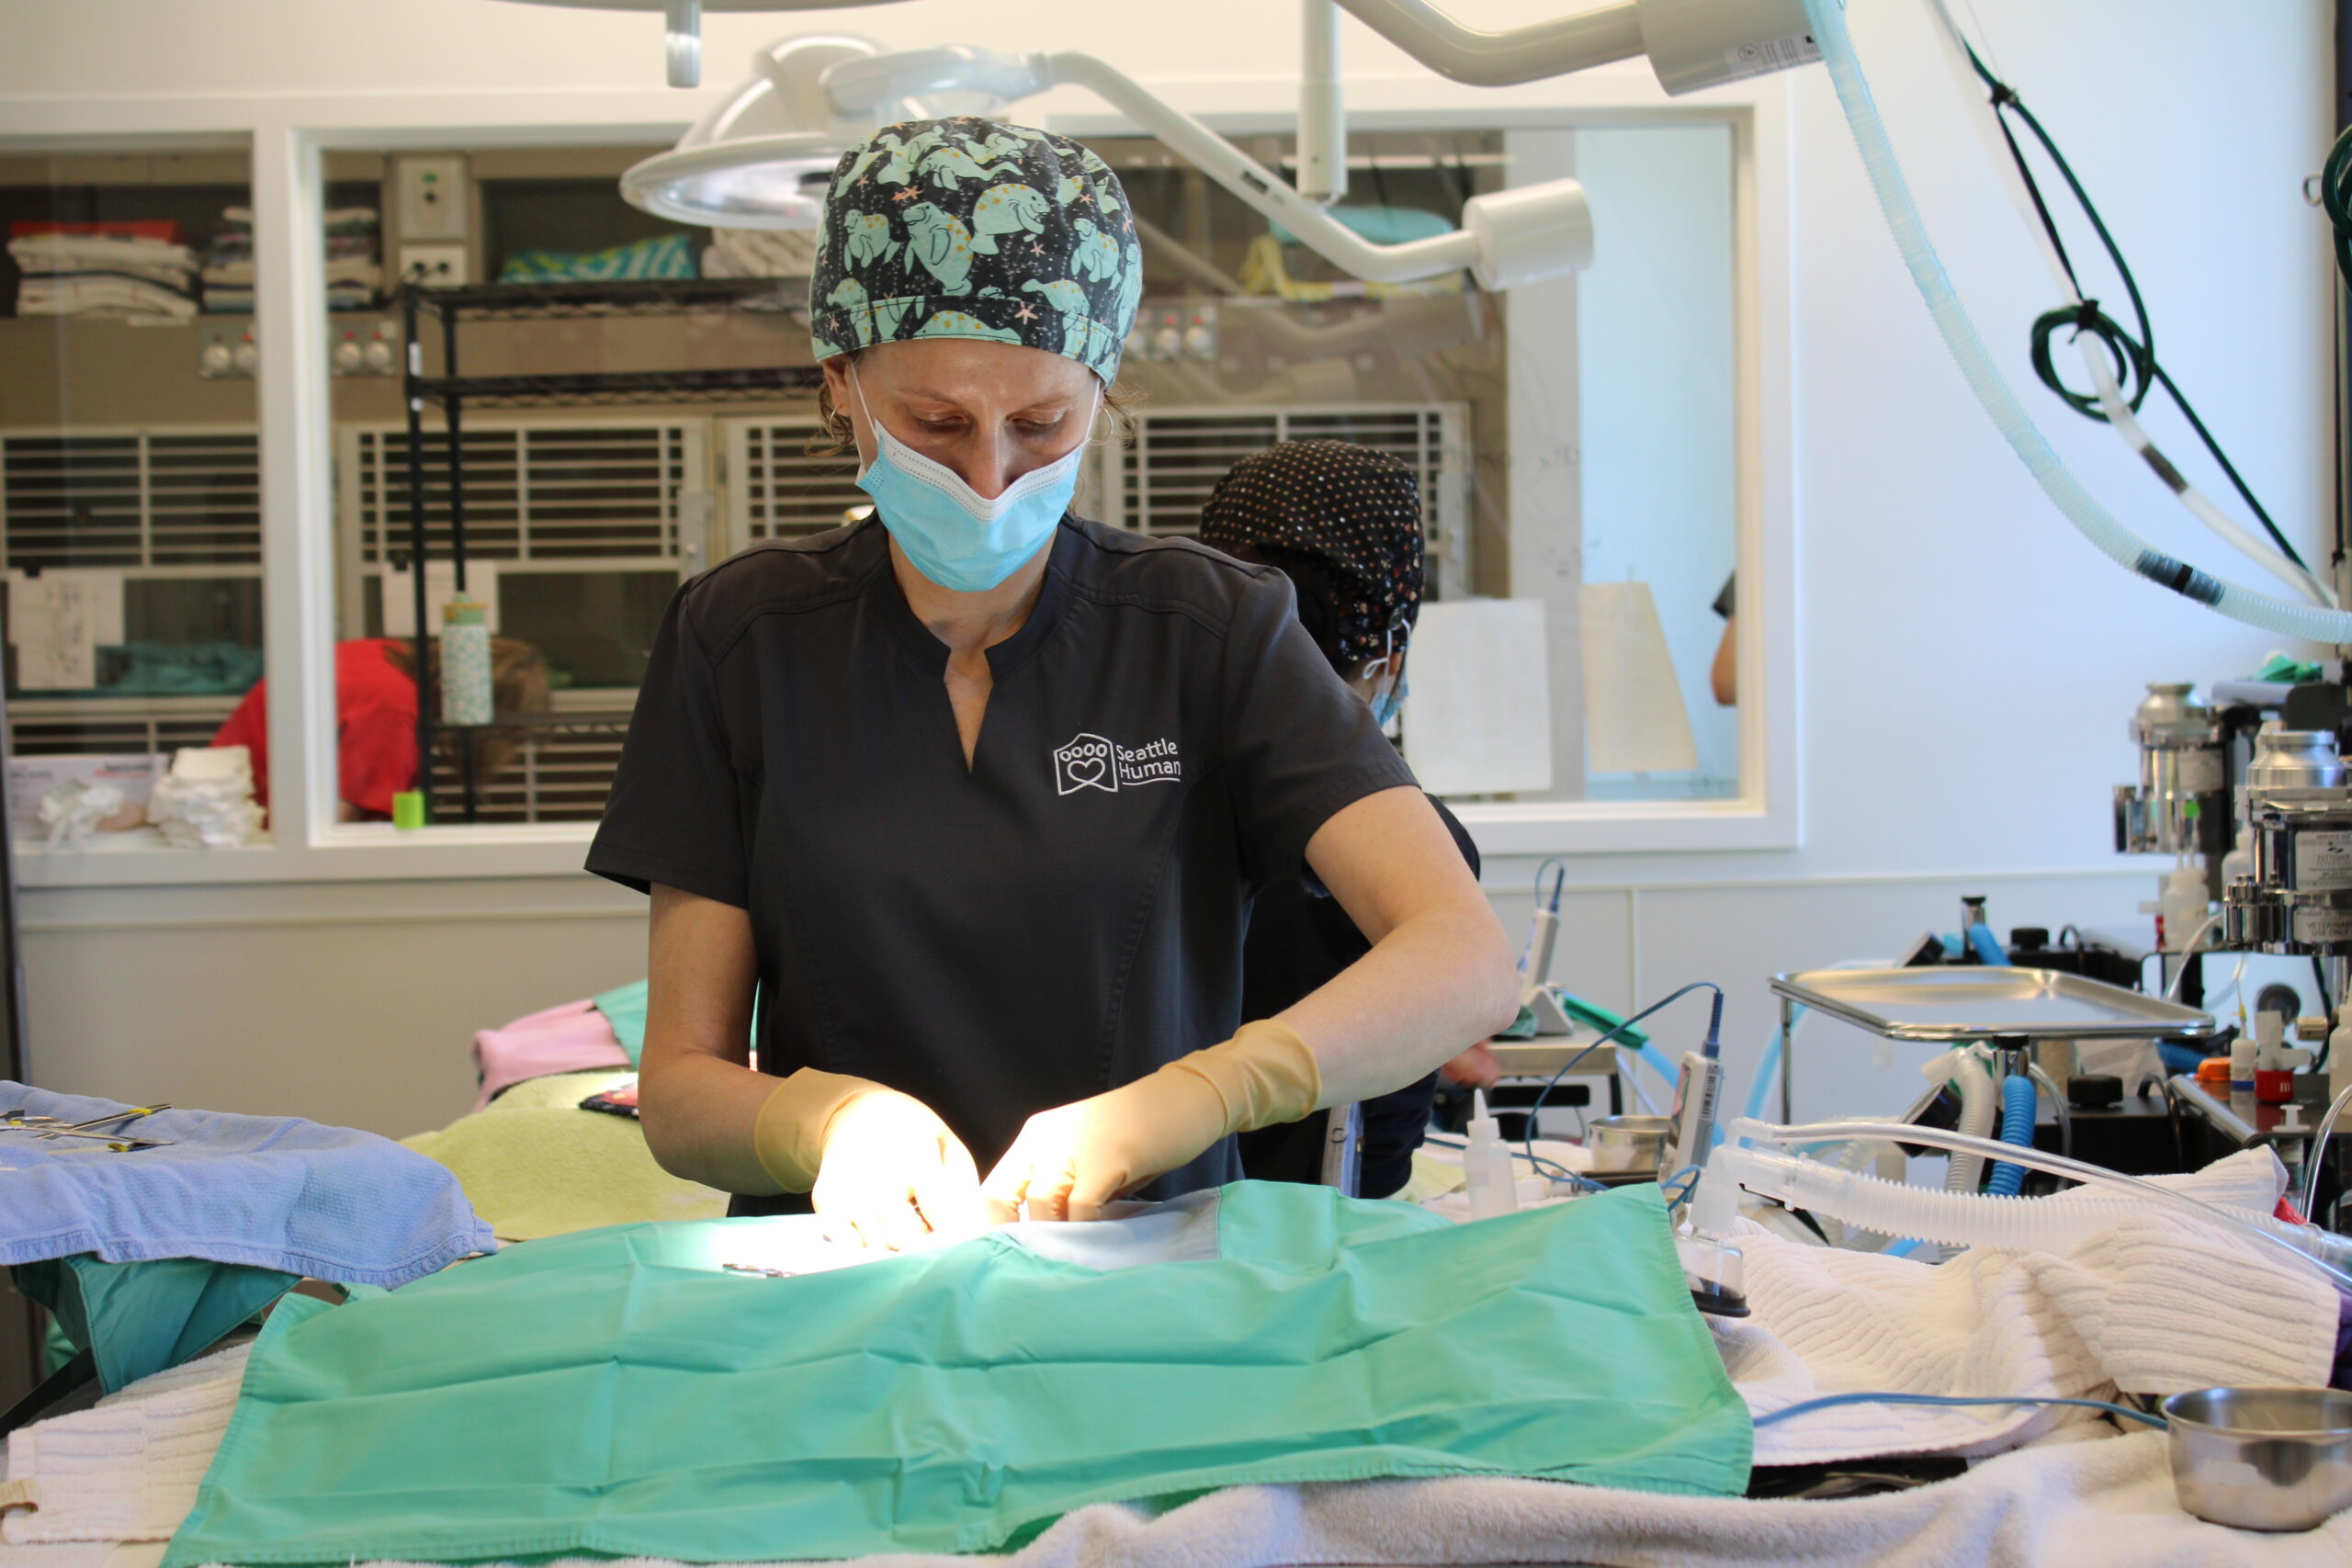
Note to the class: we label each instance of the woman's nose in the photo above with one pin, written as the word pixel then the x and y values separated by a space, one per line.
pixel 988 463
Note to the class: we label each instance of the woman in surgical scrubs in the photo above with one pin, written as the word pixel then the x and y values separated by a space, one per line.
pixel 976 793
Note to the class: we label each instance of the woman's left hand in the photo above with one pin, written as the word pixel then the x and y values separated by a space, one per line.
pixel 1070 1161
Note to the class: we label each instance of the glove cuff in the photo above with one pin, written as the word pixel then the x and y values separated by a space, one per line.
pixel 1264 1075
pixel 788 1138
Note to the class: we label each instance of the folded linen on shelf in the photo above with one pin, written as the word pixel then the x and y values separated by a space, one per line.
pixel 102 294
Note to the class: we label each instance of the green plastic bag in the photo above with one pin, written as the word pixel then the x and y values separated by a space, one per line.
pixel 622 1391
pixel 141 1318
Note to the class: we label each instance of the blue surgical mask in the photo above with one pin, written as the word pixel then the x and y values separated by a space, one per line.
pixel 1385 705
pixel 956 536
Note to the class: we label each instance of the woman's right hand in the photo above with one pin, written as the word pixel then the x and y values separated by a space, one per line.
pixel 892 1175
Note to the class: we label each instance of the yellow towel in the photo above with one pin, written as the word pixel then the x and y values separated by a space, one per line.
pixel 534 1164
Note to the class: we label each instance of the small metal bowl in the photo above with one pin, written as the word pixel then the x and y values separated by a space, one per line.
pixel 2262 1458
pixel 1628 1142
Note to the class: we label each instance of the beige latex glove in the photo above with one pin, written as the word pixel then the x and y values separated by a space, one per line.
pixel 879 1164
pixel 1070 1161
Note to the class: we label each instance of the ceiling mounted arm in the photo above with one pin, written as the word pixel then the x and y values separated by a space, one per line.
pixel 1508 237
pixel 1691 43
pixel 1503 60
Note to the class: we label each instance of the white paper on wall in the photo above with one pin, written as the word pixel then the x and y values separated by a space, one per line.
pixel 1634 718
pixel 1479 721
pixel 440 587
pixel 58 621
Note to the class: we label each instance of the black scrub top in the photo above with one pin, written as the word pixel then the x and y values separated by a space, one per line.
pixel 1299 939
pixel 1060 918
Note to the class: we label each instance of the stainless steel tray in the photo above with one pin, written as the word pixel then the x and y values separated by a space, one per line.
pixel 1977 1002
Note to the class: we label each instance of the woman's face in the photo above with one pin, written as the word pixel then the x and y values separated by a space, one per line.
pixel 991 412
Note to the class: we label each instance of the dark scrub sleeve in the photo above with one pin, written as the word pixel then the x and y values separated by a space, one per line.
pixel 675 814
pixel 1299 745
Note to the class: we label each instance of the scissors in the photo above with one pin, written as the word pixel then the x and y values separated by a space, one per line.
pixel 118 1141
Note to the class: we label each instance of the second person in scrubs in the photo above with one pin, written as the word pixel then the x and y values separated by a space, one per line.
pixel 976 793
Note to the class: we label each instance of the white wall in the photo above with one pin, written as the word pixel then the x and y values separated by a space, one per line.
pixel 1966 664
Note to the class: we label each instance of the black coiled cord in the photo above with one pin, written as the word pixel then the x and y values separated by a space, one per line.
pixel 2137 369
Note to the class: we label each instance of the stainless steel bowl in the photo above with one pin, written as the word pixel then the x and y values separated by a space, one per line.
pixel 2262 1458
pixel 1628 1142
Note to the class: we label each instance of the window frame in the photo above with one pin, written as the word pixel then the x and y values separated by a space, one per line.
pixel 286 135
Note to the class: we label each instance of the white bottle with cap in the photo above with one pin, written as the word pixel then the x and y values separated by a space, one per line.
pixel 1485 1164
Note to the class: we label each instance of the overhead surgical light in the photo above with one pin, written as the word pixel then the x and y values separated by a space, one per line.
pixel 731 170
pixel 758 160
pixel 763 158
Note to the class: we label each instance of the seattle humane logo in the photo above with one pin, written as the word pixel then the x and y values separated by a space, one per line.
pixel 1092 762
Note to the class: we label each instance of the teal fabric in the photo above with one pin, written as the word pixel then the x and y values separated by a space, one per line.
pixel 618 1392
pixel 624 1009
pixel 143 1318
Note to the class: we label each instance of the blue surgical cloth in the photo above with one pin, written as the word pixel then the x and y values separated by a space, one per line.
pixel 722 1391
pixel 274 1192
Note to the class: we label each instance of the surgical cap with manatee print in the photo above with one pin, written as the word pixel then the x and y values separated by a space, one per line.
pixel 970 228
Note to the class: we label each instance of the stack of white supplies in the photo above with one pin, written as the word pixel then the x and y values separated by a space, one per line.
pixel 207 800
pixel 355 274
pixel 142 270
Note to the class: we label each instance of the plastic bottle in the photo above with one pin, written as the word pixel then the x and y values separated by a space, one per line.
pixel 465 662
pixel 2276 1062
pixel 1486 1163
pixel 2180 908
pixel 2239 862
pixel 2244 1052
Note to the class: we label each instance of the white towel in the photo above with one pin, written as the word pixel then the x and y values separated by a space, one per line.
pixel 2106 1503
pixel 127 1468
pixel 2119 1311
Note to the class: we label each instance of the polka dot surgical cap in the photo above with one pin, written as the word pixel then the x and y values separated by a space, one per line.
pixel 1343 521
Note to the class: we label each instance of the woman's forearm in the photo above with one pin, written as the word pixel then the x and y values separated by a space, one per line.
pixel 698 1114
pixel 698 1098
pixel 1439 983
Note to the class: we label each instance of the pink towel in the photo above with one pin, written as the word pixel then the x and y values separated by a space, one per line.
pixel 573 1038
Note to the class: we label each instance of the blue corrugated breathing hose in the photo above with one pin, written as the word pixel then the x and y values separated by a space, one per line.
pixel 2017 1127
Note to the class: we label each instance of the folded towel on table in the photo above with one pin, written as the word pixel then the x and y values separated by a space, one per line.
pixel 2110 1315
pixel 568 1039
pixel 126 1469
pixel 274 1191
pixel 534 1164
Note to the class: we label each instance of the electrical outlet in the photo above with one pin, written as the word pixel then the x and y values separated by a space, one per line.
pixel 431 197
pixel 438 266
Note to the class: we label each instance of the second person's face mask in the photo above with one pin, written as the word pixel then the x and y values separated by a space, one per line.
pixel 956 536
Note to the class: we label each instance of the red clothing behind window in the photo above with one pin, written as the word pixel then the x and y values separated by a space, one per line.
pixel 375 722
